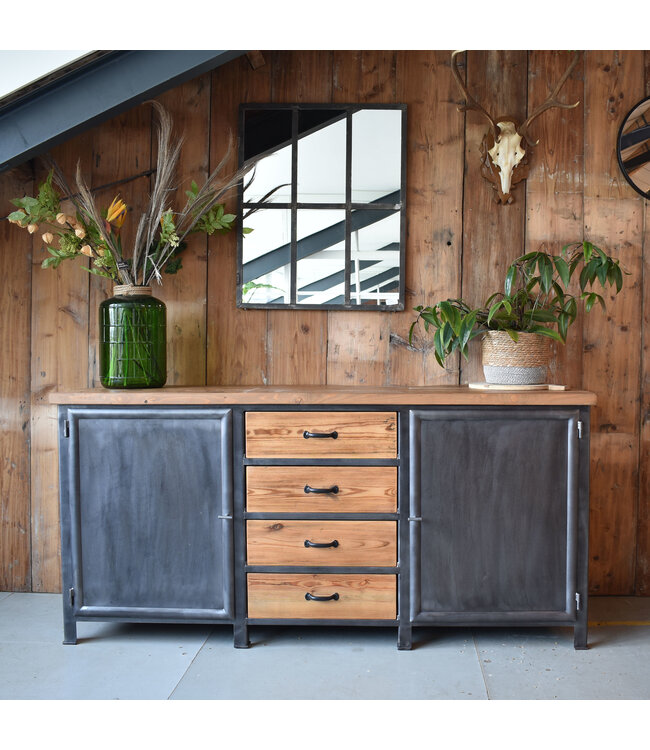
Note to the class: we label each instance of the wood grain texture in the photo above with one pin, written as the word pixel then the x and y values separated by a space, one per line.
pixel 359 434
pixel 59 338
pixel 613 215
pixel 371 543
pixel 15 320
pixel 434 201
pixel 358 341
pixel 360 489
pixel 612 529
pixel 314 395
pixel 367 597
pixel 236 339
pixel 184 293
pixel 297 339
pixel 642 573
pixel 554 203
pixel 493 235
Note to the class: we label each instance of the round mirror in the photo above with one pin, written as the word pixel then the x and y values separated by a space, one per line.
pixel 633 147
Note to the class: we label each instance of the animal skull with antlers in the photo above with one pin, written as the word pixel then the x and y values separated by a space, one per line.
pixel 503 156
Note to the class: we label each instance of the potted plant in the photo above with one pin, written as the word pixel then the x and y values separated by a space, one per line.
pixel 534 306
pixel 132 322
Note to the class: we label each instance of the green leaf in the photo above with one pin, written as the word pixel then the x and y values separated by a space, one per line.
pixel 510 279
pixel 546 272
pixel 563 270
pixel 246 230
pixel 546 332
pixel 513 334
pixel 587 250
pixel 492 311
pixel 618 277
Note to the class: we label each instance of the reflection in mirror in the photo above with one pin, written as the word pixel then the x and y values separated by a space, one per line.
pixel 321 165
pixel 634 147
pixel 376 132
pixel 321 257
pixel 334 236
pixel 375 260
pixel 266 276
pixel 270 172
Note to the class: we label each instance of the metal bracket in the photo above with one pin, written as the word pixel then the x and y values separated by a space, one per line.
pixel 66 428
pixel 225 518
pixel 71 597
pixel 414 518
pixel 580 428
pixel 577 602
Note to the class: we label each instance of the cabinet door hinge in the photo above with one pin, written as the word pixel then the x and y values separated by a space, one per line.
pixel 71 597
pixel 66 428
pixel 580 427
pixel 577 602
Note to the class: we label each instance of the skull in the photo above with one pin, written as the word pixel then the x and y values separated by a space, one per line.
pixel 506 154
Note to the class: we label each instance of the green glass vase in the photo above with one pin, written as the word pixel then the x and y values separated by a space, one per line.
pixel 133 339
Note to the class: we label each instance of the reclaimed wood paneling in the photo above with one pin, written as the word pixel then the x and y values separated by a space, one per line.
pixel 642 578
pixel 493 235
pixel 297 339
pixel 554 210
pixel 184 293
pixel 59 346
pixel 15 322
pixel 434 200
pixel 613 215
pixel 358 341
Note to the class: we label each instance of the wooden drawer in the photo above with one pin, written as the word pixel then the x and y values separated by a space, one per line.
pixel 357 542
pixel 282 434
pixel 355 489
pixel 363 597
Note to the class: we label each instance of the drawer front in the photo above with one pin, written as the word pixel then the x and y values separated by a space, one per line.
pixel 372 543
pixel 352 489
pixel 291 434
pixel 349 597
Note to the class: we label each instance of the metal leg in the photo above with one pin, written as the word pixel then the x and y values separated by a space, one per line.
pixel 69 631
pixel 404 638
pixel 240 632
pixel 580 636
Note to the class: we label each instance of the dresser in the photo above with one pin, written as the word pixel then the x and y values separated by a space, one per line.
pixel 386 507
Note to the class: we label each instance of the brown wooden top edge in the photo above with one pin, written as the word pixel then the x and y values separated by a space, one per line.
pixel 314 395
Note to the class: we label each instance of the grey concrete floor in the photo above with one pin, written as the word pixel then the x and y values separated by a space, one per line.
pixel 181 662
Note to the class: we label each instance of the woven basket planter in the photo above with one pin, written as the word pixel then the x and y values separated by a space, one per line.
pixel 508 362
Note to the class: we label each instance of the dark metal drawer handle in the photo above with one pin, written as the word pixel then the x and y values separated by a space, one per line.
pixel 322 490
pixel 306 434
pixel 312 598
pixel 321 544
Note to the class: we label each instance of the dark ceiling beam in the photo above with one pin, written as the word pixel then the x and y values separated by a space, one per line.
pixel 635 136
pixel 94 93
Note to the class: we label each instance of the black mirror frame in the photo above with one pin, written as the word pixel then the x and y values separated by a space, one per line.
pixel 618 149
pixel 349 207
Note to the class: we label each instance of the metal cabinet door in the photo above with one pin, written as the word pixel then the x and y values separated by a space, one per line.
pixel 493 508
pixel 148 516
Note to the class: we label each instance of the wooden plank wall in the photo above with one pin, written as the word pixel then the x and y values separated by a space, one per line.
pixel 458 242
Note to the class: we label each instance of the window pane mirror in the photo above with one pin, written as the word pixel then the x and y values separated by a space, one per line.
pixel 331 234
pixel 633 147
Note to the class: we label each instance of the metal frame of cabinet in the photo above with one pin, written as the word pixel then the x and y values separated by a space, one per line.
pixel 235 515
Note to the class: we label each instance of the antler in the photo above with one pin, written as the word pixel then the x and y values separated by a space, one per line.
pixel 551 101
pixel 470 102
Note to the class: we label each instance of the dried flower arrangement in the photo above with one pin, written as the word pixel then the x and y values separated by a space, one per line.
pixel 161 232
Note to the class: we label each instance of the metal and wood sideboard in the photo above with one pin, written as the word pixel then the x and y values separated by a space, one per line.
pixel 400 507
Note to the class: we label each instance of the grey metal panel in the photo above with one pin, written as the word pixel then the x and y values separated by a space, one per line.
pixel 151 510
pixel 94 94
pixel 496 493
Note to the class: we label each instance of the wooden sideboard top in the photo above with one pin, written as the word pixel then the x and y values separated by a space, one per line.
pixel 319 394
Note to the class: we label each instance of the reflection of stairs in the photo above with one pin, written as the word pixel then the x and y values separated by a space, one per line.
pixel 318 241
